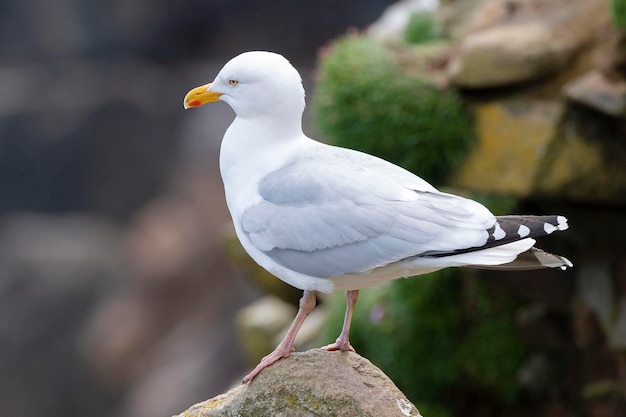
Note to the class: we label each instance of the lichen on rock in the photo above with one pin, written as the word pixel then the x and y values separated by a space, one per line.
pixel 311 384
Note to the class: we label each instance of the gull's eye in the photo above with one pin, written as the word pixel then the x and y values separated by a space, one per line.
pixel 233 83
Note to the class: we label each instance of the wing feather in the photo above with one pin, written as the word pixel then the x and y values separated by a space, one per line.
pixel 336 214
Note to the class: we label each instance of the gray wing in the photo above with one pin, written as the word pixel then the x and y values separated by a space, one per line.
pixel 347 212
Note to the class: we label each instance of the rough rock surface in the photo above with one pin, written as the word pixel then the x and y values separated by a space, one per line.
pixel 598 92
pixel 506 55
pixel 391 24
pixel 258 323
pixel 536 148
pixel 313 383
pixel 507 42
pixel 513 138
pixel 263 323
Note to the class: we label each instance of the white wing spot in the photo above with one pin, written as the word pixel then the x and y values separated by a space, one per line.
pixel 548 228
pixel 498 233
pixel 523 231
pixel 562 223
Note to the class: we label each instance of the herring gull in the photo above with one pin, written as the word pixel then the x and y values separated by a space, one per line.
pixel 321 217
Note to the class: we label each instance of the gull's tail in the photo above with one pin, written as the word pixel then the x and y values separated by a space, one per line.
pixel 511 229
pixel 533 258
pixel 511 245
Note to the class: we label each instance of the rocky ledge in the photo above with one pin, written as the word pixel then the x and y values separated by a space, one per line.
pixel 312 383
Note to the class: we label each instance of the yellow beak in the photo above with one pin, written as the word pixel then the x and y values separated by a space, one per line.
pixel 200 96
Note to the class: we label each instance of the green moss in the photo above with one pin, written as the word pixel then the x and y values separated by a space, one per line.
pixel 418 336
pixel 491 355
pixel 214 402
pixel 423 27
pixel 431 334
pixel 364 100
pixel 618 13
pixel 292 401
pixel 314 404
pixel 498 204
pixel 433 410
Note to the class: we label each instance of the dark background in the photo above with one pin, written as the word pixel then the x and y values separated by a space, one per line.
pixel 115 295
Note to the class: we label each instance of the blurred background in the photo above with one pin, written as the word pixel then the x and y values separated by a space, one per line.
pixel 119 277
pixel 115 297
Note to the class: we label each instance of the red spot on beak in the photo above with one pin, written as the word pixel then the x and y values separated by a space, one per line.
pixel 194 103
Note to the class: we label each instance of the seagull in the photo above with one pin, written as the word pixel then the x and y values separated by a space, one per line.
pixel 321 217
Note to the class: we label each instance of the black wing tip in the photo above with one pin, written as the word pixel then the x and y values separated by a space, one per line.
pixel 511 228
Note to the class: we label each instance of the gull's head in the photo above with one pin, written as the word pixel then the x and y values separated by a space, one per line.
pixel 254 84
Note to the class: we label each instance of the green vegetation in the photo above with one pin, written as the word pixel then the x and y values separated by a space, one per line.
pixel 437 335
pixel 498 204
pixel 423 27
pixel 618 13
pixel 442 335
pixel 366 101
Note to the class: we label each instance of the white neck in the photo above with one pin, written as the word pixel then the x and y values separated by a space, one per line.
pixel 250 150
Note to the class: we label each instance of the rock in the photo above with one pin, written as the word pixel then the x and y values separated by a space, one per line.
pixel 513 138
pixel 391 25
pixel 464 17
pixel 313 383
pixel 586 160
pixel 309 334
pixel 528 148
pixel 258 324
pixel 506 42
pixel 262 324
pixel 576 17
pixel 506 55
pixel 595 90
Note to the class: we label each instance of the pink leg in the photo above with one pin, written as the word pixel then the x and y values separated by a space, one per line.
pixel 285 347
pixel 343 343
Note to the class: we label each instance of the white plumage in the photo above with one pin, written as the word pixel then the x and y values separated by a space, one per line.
pixel 321 217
